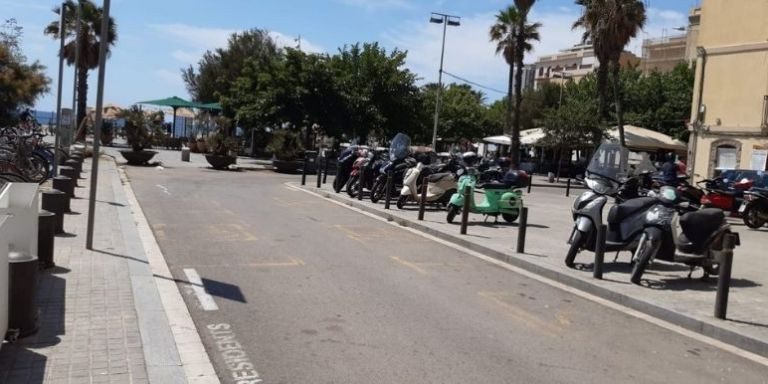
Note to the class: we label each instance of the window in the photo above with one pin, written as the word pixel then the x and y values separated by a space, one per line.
pixel 726 157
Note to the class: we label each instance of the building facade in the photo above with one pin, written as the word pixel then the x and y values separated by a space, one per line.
pixel 663 54
pixel 572 63
pixel 729 114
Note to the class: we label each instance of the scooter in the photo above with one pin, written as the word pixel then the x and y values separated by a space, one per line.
pixel 627 219
pixel 681 234
pixel 505 199
pixel 344 167
pixel 440 187
pixel 723 194
pixel 399 161
pixel 354 174
pixel 754 208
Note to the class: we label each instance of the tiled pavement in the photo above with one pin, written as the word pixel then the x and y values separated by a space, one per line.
pixel 90 327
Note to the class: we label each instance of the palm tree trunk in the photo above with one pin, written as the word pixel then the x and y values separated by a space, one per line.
pixel 602 85
pixel 82 100
pixel 515 153
pixel 617 101
pixel 510 84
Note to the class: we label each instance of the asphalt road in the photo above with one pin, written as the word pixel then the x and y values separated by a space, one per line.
pixel 306 291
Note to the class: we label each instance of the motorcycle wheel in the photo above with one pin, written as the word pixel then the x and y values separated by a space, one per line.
pixel 453 210
pixel 751 217
pixel 510 217
pixel 712 270
pixel 351 186
pixel 401 201
pixel 579 238
pixel 377 191
pixel 645 252
pixel 337 184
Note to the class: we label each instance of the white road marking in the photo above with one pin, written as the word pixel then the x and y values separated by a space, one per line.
pixel 235 358
pixel 637 314
pixel 206 300
pixel 164 189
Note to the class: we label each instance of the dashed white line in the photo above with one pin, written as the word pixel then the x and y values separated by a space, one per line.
pixel 206 300
pixel 164 189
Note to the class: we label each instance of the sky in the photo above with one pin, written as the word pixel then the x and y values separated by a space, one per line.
pixel 156 39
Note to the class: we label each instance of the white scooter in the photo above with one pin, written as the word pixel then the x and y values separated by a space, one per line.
pixel 439 190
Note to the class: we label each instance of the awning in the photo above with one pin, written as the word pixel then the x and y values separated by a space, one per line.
pixel 527 137
pixel 646 139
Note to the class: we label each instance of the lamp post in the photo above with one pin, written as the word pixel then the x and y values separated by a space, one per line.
pixel 446 20
pixel 75 123
pixel 563 75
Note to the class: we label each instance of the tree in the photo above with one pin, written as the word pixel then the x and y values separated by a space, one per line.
pixel 513 36
pixel 21 83
pixel 218 69
pixel 89 37
pixel 463 112
pixel 610 25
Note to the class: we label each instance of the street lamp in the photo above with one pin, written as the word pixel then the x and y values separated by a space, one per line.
pixel 563 75
pixel 446 20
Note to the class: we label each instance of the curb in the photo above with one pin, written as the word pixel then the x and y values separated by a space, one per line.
pixel 748 343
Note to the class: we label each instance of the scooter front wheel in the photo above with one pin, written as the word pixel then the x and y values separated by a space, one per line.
pixel 351 187
pixel 453 210
pixel 377 191
pixel 751 217
pixel 649 244
pixel 577 242
pixel 401 201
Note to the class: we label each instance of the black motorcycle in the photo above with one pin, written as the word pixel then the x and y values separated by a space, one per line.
pixel 399 162
pixel 346 158
pixel 754 208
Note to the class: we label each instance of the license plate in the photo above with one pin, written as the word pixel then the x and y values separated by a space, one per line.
pixel 743 208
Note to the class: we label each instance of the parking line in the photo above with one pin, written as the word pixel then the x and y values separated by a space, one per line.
pixel 206 300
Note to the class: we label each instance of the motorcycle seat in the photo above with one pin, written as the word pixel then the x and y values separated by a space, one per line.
pixel 697 227
pixel 435 177
pixel 629 207
pixel 494 186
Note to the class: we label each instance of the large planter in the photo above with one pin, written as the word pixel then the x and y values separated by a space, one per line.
pixel 201 146
pixel 192 144
pixel 287 166
pixel 138 157
pixel 220 162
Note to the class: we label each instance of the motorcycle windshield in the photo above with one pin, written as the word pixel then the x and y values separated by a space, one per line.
pixel 400 147
pixel 619 163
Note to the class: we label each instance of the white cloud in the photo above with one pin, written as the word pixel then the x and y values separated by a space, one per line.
pixel 169 77
pixel 378 4
pixel 26 4
pixel 186 57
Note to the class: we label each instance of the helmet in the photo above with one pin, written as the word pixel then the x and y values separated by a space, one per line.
pixel 469 158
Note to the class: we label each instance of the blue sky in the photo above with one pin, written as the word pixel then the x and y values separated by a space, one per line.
pixel 157 38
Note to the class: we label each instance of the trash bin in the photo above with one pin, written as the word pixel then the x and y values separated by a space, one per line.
pixel 185 154
pixel 551 177
pixel 22 309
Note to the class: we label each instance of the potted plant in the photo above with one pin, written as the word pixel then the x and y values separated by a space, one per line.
pixel 223 150
pixel 107 132
pixel 138 136
pixel 202 147
pixel 287 151
pixel 192 144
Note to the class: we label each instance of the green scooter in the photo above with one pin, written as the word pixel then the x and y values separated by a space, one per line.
pixel 505 198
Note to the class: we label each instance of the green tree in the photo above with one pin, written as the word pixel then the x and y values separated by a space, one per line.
pixel 610 25
pixel 89 37
pixel 218 69
pixel 21 83
pixel 463 113
pixel 513 36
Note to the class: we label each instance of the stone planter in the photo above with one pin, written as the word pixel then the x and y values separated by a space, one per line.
pixel 201 147
pixel 287 166
pixel 138 157
pixel 220 162
pixel 192 144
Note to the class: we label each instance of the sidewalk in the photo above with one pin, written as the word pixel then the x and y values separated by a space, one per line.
pixel 667 292
pixel 102 318
pixel 172 159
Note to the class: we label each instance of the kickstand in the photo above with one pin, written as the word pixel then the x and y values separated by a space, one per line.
pixel 485 220
pixel 495 219
pixel 617 256
pixel 691 271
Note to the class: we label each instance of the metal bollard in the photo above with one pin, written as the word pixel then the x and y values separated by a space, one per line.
pixel 304 169
pixel 423 201
pixel 465 210
pixel 597 270
pixel 530 183
pixel 724 277
pixel 64 184
pixel 522 229
pixel 568 188
pixel 318 170
pixel 74 164
pixel 390 181
pixel 22 304
pixel 325 167
pixel 69 172
pixel 46 230
pixel 360 188
pixel 57 202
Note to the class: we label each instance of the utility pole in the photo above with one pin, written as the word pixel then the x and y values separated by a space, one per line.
pixel 57 137
pixel 446 20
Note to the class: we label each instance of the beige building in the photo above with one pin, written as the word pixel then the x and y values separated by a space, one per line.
pixel 572 63
pixel 729 117
pixel 663 54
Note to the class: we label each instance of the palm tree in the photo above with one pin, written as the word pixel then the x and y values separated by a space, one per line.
pixel 610 25
pixel 513 35
pixel 89 36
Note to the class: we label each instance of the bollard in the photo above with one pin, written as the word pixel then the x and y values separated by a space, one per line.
pixel 522 229
pixel 74 164
pixel 724 277
pixel 423 201
pixel 57 202
pixel 530 184
pixel 22 280
pixel 390 181
pixel 318 170
pixel 185 154
pixel 325 166
pixel 597 270
pixel 304 169
pixel 69 172
pixel 360 188
pixel 64 184
pixel 568 188
pixel 46 230
pixel 465 210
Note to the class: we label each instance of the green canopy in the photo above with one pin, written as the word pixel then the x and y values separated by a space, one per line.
pixel 213 106
pixel 174 102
